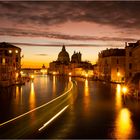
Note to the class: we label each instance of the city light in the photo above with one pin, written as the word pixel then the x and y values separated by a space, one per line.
pixel 118 74
pixel 10 51
pixel 69 73
pixel 32 76
pixel 54 73
pixel 86 75
pixel 124 89
pixel 21 72
pixel 16 51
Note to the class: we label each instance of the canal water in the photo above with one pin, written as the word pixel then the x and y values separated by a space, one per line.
pixel 16 100
pixel 99 111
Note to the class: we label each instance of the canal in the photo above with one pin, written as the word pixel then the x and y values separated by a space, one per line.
pixel 16 100
pixel 98 111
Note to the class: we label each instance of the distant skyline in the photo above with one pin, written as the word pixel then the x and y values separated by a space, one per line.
pixel 87 26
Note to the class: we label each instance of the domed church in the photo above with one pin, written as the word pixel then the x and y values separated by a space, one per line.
pixel 64 66
pixel 63 56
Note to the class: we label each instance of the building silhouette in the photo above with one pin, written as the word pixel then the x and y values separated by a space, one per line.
pixel 63 65
pixel 10 64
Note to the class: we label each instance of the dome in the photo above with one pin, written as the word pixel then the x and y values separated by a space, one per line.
pixel 63 56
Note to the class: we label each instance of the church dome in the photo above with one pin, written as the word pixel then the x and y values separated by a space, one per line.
pixel 63 56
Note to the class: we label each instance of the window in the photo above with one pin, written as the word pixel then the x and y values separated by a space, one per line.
pixel 16 51
pixel 130 53
pixel 117 61
pixel 130 74
pixel 10 51
pixel 130 65
pixel 117 69
pixel 16 59
pixel 3 61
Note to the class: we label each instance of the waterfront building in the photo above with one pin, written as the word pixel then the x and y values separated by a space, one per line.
pixel 43 70
pixel 76 57
pixel 132 59
pixel 63 56
pixel 10 64
pixel 111 65
pixel 64 66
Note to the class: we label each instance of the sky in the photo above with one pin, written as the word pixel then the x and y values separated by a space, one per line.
pixel 40 28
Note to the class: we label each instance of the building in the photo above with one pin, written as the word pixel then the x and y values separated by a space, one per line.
pixel 10 64
pixel 132 59
pixel 111 65
pixel 61 65
pixel 43 70
pixel 63 56
pixel 64 66
pixel 76 57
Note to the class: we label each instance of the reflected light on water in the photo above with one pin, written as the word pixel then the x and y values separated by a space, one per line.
pixel 118 97
pixel 124 124
pixel 19 94
pixel 69 78
pixel 86 88
pixel 86 98
pixel 32 96
pixel 54 84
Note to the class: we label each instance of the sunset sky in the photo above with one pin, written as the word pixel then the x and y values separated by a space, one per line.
pixel 40 28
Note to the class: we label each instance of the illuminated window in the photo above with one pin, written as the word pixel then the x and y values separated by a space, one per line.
pixel 3 61
pixel 10 51
pixel 16 51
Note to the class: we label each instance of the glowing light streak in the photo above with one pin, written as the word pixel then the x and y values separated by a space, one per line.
pixel 22 115
pixel 54 117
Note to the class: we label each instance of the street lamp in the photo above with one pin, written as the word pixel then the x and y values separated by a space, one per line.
pixel 124 90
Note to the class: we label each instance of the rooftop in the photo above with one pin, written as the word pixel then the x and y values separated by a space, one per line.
pixel 112 52
pixel 7 45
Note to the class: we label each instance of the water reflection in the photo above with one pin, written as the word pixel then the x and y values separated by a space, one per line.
pixel 69 78
pixel 32 96
pixel 86 98
pixel 86 88
pixel 54 85
pixel 124 124
pixel 118 97
pixel 18 95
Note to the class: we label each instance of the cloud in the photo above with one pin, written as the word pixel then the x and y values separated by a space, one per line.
pixel 42 54
pixel 67 45
pixel 121 14
pixel 37 18
pixel 52 35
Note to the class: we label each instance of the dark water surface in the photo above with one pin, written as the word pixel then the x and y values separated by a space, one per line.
pixel 99 111
pixel 17 99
